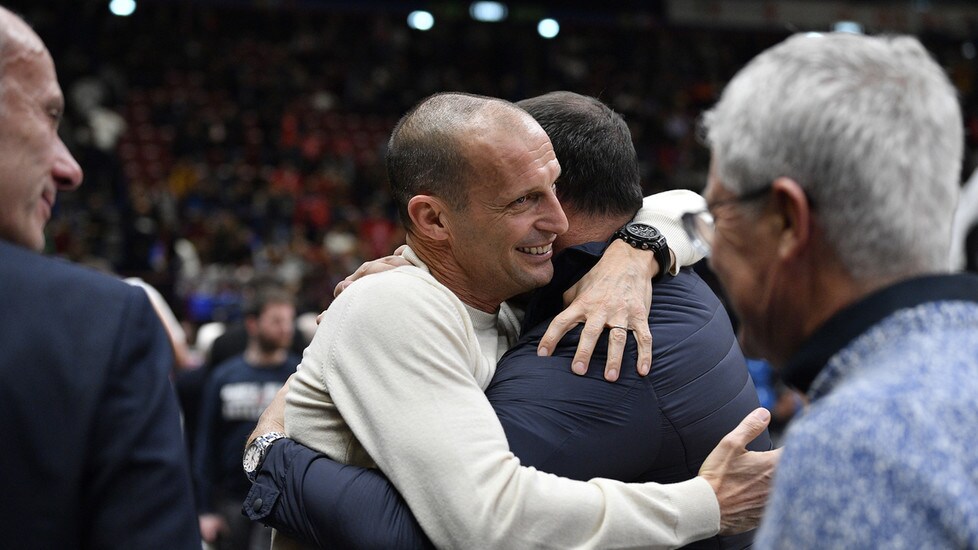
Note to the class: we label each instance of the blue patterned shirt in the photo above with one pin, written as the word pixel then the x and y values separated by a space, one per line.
pixel 886 455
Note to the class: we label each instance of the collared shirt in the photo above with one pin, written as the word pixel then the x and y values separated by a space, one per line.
pixel 884 456
pixel 842 328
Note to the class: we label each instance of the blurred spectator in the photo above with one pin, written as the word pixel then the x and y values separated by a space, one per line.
pixel 235 396
pixel 232 340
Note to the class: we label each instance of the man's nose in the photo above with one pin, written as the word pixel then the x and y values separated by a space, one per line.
pixel 66 171
pixel 554 221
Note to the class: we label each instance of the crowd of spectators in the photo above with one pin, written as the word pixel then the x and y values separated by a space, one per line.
pixel 224 143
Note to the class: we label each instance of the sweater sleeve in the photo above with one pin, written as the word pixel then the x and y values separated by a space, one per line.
pixel 664 211
pixel 400 352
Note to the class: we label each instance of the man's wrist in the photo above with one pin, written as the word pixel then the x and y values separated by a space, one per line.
pixel 254 455
pixel 646 237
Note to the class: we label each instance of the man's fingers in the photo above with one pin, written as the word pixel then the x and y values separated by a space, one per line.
pixel 372 267
pixel 561 325
pixel 340 287
pixel 749 428
pixel 617 337
pixel 585 346
pixel 643 339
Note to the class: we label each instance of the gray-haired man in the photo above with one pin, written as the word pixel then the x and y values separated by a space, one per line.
pixel 834 176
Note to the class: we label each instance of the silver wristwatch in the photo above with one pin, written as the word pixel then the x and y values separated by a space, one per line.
pixel 254 455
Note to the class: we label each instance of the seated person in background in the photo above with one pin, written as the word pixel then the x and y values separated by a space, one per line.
pixel 657 428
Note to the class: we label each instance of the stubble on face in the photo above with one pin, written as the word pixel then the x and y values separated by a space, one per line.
pixel 275 327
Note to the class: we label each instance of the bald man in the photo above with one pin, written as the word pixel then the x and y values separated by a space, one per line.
pixel 93 455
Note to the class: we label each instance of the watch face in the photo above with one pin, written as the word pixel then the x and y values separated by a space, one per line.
pixel 250 461
pixel 642 231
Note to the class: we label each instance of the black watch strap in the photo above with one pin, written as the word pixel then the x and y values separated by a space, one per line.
pixel 646 237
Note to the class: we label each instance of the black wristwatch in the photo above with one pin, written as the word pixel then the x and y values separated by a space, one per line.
pixel 254 455
pixel 646 237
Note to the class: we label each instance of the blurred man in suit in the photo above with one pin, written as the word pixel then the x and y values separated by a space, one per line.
pixel 94 456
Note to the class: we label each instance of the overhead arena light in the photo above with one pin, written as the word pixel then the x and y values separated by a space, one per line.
pixel 122 8
pixel 421 20
pixel 548 28
pixel 489 12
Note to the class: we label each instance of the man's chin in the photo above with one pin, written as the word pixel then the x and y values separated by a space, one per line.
pixel 542 276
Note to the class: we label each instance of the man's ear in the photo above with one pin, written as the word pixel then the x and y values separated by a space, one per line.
pixel 428 216
pixel 795 211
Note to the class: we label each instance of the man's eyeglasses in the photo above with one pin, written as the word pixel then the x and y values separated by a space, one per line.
pixel 701 227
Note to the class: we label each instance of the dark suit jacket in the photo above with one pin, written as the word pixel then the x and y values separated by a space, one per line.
pixel 656 428
pixel 93 456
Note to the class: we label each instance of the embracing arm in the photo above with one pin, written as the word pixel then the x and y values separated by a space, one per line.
pixel 403 382
pixel 321 502
pixel 324 503
pixel 664 211
pixel 618 290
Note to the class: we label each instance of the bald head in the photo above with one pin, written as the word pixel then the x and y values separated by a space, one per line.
pixel 433 147
pixel 34 162
pixel 17 38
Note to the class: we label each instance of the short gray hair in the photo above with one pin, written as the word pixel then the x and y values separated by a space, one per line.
pixel 870 127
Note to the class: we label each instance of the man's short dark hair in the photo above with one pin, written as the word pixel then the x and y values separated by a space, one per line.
pixel 425 154
pixel 264 296
pixel 599 169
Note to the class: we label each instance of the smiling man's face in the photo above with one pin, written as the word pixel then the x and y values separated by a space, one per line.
pixel 503 238
pixel 34 162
